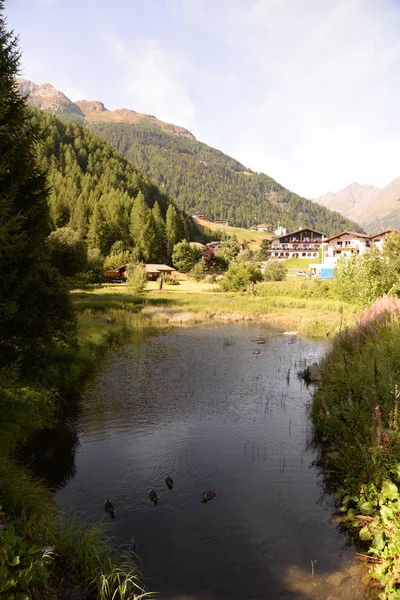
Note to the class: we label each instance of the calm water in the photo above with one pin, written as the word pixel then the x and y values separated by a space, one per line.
pixel 201 406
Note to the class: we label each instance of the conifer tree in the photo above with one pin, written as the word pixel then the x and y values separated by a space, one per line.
pixel 172 229
pixel 139 217
pixel 34 309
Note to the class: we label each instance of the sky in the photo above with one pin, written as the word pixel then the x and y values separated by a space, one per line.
pixel 306 91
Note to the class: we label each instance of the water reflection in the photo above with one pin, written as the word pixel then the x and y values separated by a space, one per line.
pixel 199 405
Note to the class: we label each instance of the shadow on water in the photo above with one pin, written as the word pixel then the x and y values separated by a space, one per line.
pixel 197 404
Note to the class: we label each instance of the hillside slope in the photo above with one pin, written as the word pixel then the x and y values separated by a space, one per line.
pixel 201 178
pixel 196 176
pixel 93 188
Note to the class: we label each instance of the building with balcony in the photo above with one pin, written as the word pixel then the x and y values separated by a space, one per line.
pixel 304 243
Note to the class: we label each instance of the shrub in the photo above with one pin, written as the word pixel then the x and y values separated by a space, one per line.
pixel 137 278
pixel 22 565
pixel 239 276
pixel 275 271
pixel 170 280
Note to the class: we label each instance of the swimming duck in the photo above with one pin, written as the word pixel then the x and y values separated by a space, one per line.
pixel 109 507
pixel 206 496
pixel 153 496
pixel 169 483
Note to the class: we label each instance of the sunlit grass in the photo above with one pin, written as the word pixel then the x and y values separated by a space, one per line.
pixel 103 571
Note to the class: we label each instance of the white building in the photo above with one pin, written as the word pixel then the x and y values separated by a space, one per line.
pixel 344 245
pixel 303 243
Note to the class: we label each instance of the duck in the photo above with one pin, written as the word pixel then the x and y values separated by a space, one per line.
pixel 109 507
pixel 153 496
pixel 256 352
pixel 206 496
pixel 169 482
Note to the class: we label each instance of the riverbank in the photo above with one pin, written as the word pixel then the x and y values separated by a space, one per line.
pixel 357 418
pixel 40 551
pixel 283 305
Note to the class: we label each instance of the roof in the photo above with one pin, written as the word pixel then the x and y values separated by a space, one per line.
pixel 278 237
pixel 384 232
pixel 353 233
pixel 154 268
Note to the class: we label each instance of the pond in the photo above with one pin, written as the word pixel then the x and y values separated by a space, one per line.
pixel 213 409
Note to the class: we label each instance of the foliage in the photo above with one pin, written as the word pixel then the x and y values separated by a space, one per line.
pixel 274 271
pixel 98 194
pixel 357 417
pixel 103 572
pixel 199 270
pixel 137 278
pixel 201 178
pixel 185 256
pixel 34 307
pixel 362 279
pixel 68 252
pixel 239 276
pixel 229 250
pixel 22 565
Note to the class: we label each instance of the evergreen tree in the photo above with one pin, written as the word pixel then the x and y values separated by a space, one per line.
pixel 160 224
pixel 34 308
pixel 151 244
pixel 139 217
pixel 172 229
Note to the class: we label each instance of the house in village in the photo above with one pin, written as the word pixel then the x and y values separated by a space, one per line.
pixel 303 243
pixel 153 272
pixel 222 222
pixel 215 247
pixel 344 245
pixel 262 227
pixel 201 216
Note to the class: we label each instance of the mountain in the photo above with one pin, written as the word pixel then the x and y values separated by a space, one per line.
pixel 198 177
pixel 93 191
pixel 375 209
pixel 353 196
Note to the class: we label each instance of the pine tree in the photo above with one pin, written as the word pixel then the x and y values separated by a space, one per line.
pixel 34 309
pixel 172 229
pixel 139 217
pixel 160 224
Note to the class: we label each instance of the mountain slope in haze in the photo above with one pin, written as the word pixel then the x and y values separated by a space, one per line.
pixel 196 176
pixel 375 209
pixel 352 196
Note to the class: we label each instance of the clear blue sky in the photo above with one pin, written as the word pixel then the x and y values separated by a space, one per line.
pixel 306 91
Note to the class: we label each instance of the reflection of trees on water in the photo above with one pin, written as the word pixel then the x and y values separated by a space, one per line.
pixel 50 454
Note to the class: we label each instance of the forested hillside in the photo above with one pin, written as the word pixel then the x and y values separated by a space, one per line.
pixel 200 178
pixel 101 196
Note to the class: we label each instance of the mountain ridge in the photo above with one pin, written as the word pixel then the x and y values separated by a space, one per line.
pixel 374 208
pixel 196 176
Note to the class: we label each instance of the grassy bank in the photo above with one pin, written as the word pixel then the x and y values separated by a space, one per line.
pixel 286 305
pixel 29 524
pixel 357 417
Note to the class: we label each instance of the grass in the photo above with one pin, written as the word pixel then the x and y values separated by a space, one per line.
pixel 284 305
pixel 252 238
pixel 356 411
pixel 110 573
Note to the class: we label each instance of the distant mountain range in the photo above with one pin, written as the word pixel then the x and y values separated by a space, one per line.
pixel 375 209
pixel 197 177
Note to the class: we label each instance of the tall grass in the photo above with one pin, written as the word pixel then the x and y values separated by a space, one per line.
pixel 102 570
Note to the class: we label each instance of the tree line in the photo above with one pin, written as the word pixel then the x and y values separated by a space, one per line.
pixel 202 179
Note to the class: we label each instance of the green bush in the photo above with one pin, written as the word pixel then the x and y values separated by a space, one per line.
pixel 274 271
pixel 137 278
pixel 362 279
pixel 239 276
pixel 170 280
pixel 23 566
